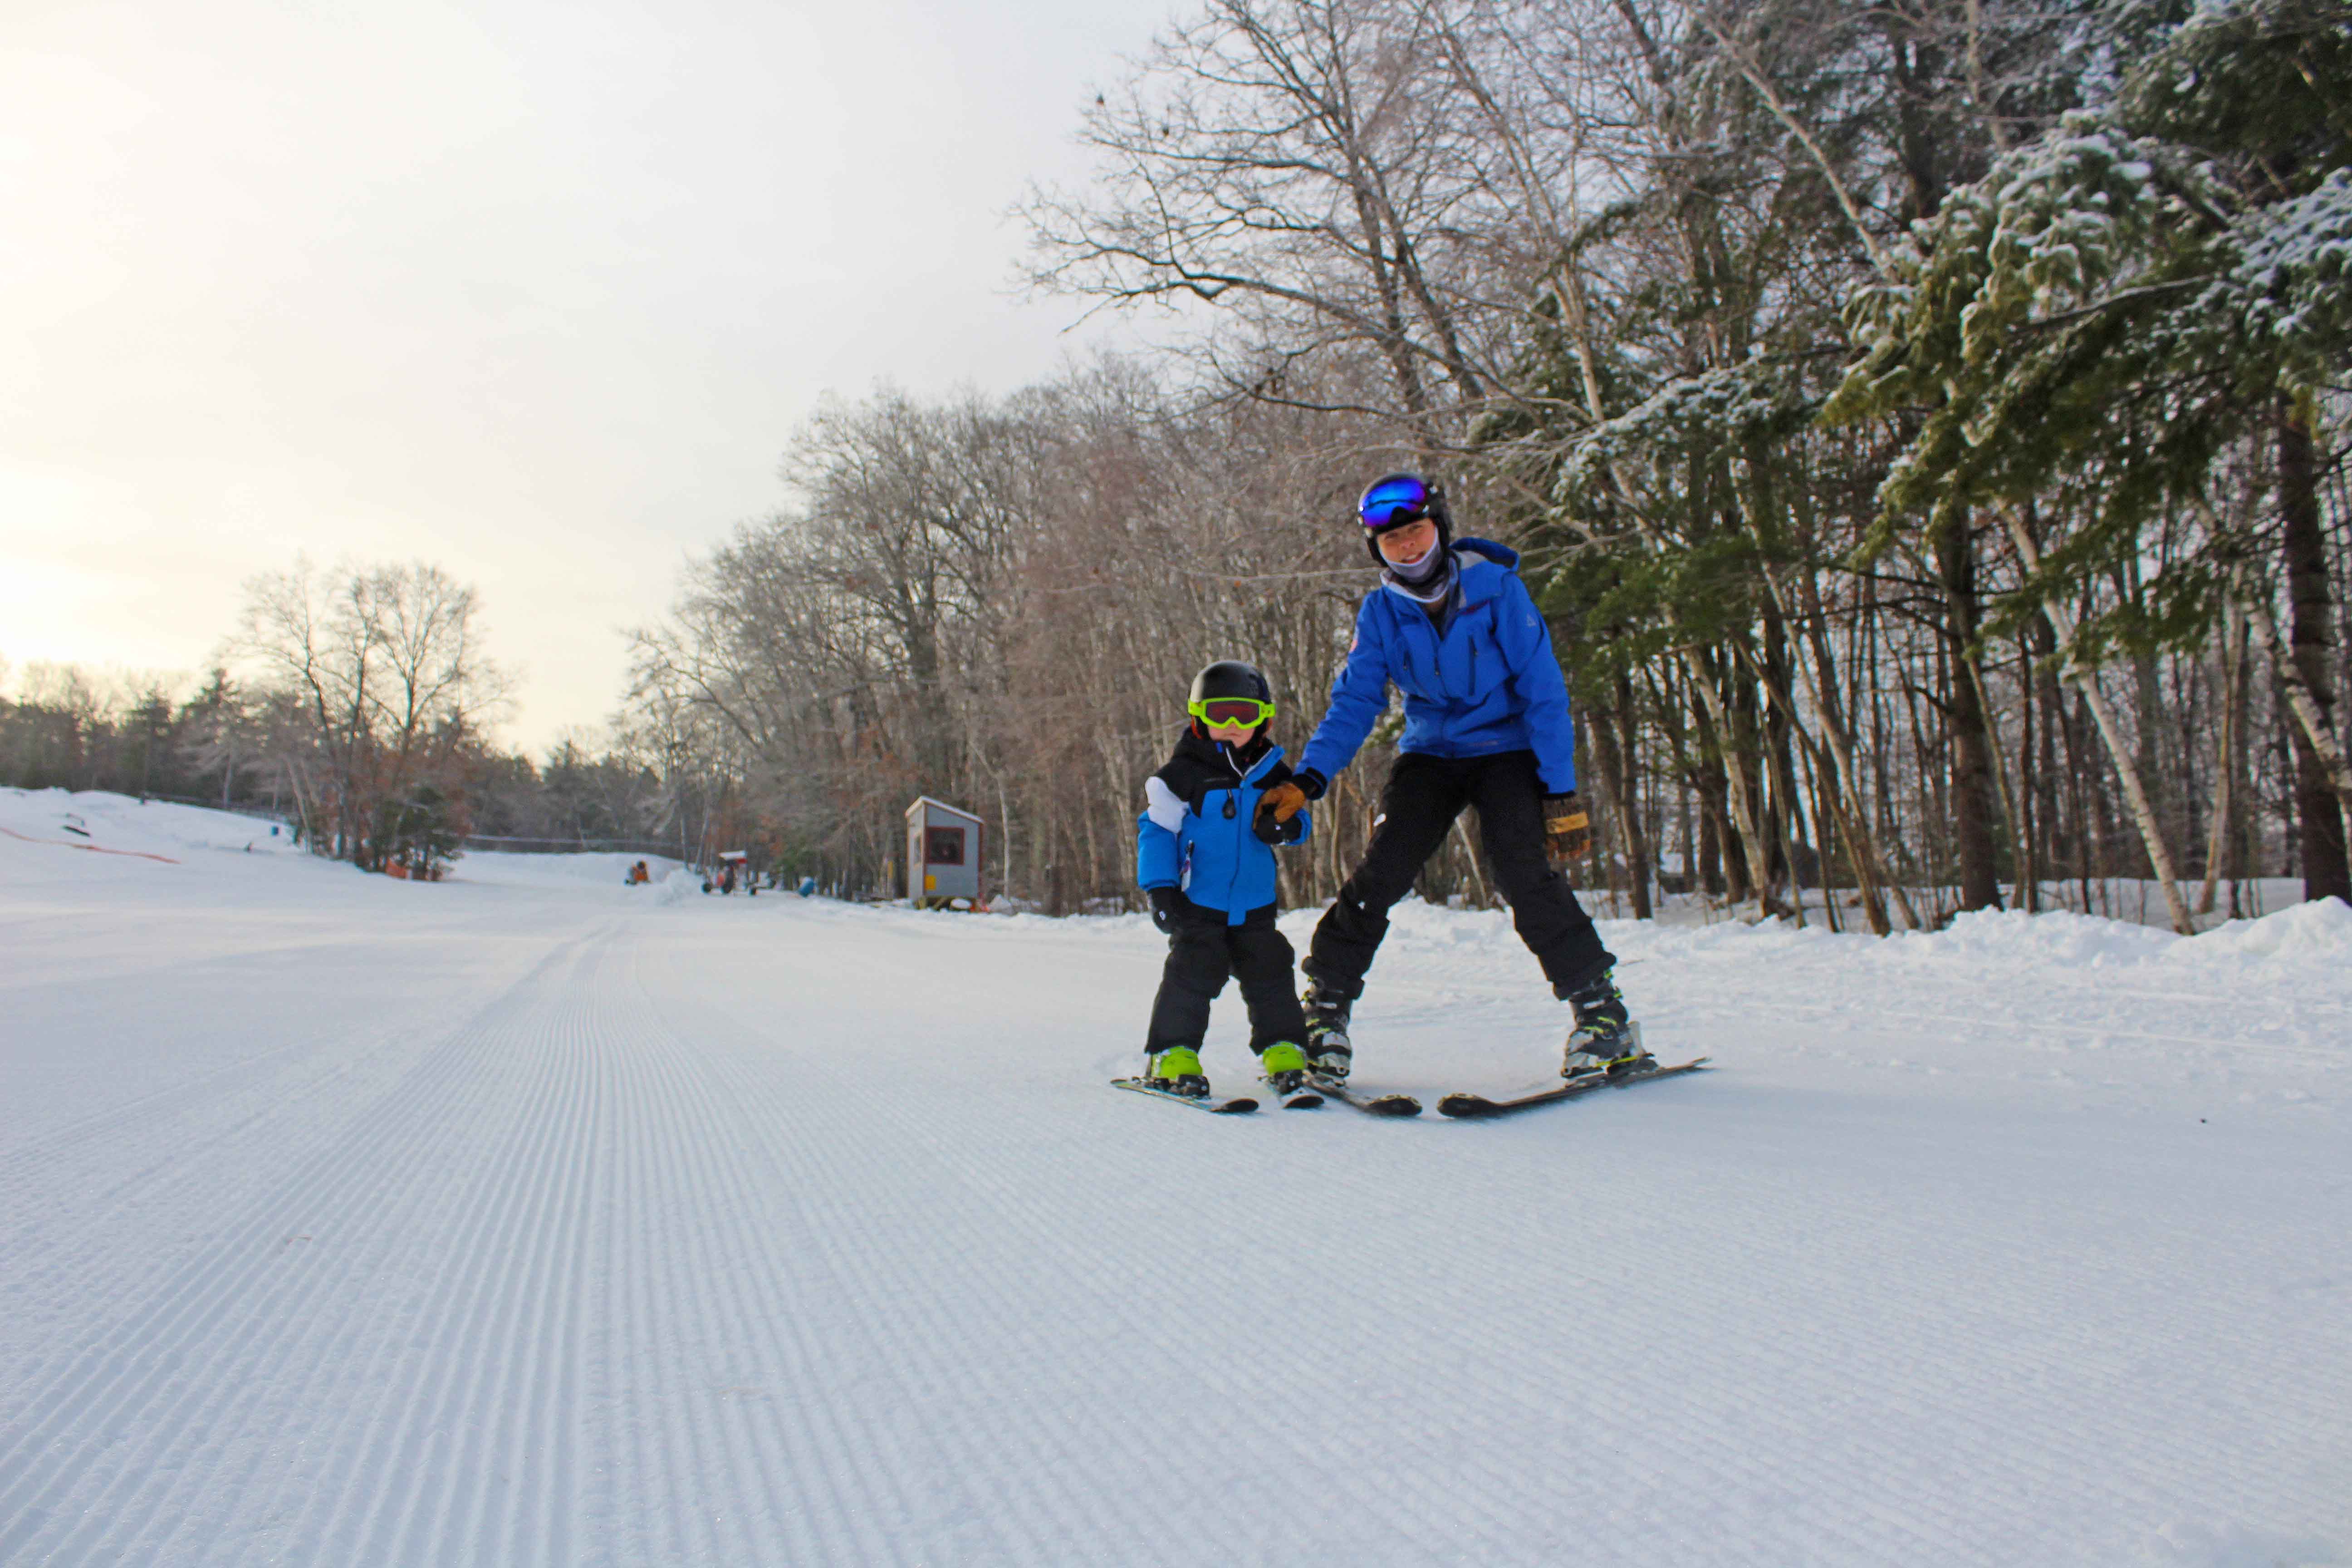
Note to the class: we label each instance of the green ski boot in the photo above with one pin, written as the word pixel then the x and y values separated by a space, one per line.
pixel 1177 1070
pixel 1284 1066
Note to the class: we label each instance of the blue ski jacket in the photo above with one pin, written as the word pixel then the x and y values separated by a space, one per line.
pixel 1489 684
pixel 1195 834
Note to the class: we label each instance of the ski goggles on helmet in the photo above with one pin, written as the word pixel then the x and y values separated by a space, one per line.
pixel 1224 711
pixel 1400 498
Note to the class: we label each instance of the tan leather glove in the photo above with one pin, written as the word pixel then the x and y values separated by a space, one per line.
pixel 1567 831
pixel 1286 800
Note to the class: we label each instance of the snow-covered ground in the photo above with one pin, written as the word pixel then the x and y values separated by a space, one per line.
pixel 530 1219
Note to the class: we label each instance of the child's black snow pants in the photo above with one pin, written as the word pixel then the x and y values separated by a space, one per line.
pixel 1424 795
pixel 1203 952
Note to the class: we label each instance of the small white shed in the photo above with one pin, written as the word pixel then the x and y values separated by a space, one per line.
pixel 942 852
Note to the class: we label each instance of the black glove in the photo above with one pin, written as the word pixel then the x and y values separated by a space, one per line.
pixel 1567 831
pixel 1167 907
pixel 1270 826
pixel 1310 783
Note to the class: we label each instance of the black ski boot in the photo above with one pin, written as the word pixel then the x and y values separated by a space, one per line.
pixel 1328 1054
pixel 1605 1039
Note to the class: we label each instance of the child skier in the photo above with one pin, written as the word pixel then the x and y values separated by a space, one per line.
pixel 1486 724
pixel 1203 856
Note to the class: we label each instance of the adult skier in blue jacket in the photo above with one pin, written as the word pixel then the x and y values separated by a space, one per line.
pixel 1486 724
pixel 1204 856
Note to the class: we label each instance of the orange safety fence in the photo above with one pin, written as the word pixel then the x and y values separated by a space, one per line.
pixel 93 848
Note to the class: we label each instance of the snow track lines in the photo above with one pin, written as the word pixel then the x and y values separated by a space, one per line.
pixel 393 1256
pixel 640 1236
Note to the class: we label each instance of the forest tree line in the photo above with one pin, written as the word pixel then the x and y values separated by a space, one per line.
pixel 1924 423
pixel 353 706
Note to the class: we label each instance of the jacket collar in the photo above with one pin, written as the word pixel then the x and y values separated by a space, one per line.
pixel 1477 578
pixel 1245 764
pixel 1485 564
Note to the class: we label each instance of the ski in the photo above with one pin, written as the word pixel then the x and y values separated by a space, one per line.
pixel 1369 1104
pixel 1232 1107
pixel 1306 1096
pixel 1464 1107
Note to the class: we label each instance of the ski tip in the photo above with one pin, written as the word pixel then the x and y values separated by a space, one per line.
pixel 1232 1107
pixel 1370 1104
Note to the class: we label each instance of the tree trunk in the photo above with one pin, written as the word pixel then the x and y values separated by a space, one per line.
pixel 1979 871
pixel 1731 736
pixel 2027 848
pixel 2319 807
pixel 1637 836
pixel 2225 752
pixel 2151 831
pixel 2045 693
pixel 1843 788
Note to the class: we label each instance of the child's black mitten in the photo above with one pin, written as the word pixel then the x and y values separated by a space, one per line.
pixel 1270 826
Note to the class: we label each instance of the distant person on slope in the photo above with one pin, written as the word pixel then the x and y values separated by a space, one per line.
pixel 1204 856
pixel 1486 724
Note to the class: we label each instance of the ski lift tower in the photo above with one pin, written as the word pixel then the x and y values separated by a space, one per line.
pixel 942 855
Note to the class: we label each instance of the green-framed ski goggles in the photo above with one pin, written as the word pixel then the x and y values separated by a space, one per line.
pixel 1222 711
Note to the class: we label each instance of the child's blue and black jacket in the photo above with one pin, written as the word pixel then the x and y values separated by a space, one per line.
pixel 1485 682
pixel 1196 833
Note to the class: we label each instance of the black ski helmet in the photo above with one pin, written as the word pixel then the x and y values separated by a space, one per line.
pixel 1394 499
pixel 1229 678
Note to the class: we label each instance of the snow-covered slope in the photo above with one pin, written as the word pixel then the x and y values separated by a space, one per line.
pixel 345 1221
pixel 116 824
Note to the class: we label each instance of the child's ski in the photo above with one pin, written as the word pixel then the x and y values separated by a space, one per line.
pixel 1467 1106
pixel 1306 1096
pixel 1370 1104
pixel 1231 1107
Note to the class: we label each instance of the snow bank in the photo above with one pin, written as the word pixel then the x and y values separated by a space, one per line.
pixel 2310 942
pixel 2318 933
pixel 599 867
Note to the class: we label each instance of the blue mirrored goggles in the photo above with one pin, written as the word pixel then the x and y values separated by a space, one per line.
pixel 1392 502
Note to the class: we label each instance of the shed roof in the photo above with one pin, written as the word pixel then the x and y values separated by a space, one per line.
pixel 923 800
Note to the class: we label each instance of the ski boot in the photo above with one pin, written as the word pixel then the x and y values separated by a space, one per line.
pixel 1328 1054
pixel 1284 1066
pixel 1177 1070
pixel 1605 1039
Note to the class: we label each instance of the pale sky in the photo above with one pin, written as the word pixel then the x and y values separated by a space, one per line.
pixel 536 292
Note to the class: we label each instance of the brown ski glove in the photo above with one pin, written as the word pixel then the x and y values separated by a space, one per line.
pixel 1286 800
pixel 1567 831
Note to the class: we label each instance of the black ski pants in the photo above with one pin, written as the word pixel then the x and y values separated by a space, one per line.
pixel 1424 795
pixel 1203 952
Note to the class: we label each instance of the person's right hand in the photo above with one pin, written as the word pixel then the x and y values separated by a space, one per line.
pixel 1167 906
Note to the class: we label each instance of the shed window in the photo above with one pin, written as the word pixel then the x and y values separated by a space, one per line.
pixel 944 846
